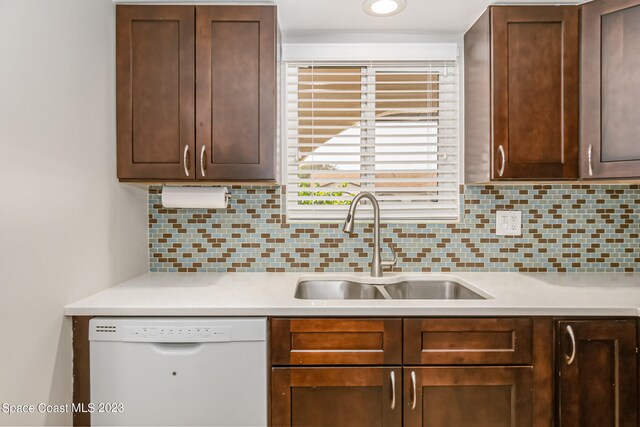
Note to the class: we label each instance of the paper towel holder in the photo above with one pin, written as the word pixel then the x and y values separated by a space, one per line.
pixel 195 197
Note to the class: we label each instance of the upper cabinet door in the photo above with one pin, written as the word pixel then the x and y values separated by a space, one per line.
pixel 610 89
pixel 236 92
pixel 155 92
pixel 535 81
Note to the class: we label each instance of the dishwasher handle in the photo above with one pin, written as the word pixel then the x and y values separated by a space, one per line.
pixel 185 349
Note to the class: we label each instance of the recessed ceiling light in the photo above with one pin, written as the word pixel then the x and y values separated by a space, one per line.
pixel 384 7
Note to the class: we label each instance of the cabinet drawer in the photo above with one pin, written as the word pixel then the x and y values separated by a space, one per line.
pixel 336 341
pixel 467 341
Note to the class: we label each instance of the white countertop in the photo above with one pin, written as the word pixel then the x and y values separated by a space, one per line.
pixel 271 294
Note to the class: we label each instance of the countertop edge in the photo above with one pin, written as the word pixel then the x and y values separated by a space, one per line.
pixel 272 294
pixel 358 312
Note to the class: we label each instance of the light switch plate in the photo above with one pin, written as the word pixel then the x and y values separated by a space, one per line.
pixel 508 223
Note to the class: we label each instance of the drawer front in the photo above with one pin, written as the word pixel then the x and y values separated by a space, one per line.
pixel 505 341
pixel 336 341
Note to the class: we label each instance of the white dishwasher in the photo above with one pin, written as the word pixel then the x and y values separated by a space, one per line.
pixel 178 371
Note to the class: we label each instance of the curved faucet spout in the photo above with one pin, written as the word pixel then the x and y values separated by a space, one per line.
pixel 351 215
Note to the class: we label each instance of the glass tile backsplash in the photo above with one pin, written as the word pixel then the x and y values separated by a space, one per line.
pixel 565 227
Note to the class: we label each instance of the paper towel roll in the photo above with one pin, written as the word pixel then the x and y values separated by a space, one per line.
pixel 194 197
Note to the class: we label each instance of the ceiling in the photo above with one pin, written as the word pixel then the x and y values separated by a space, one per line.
pixel 420 17
pixel 324 20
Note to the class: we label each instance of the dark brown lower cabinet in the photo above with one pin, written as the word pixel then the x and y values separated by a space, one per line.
pixel 473 396
pixel 597 373
pixel 359 396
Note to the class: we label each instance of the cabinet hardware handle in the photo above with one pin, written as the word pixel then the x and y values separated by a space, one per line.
pixel 590 163
pixel 413 388
pixel 202 168
pixel 504 160
pixel 184 160
pixel 571 357
pixel 393 390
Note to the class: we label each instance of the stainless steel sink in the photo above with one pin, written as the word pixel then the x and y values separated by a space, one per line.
pixel 406 289
pixel 336 289
pixel 430 289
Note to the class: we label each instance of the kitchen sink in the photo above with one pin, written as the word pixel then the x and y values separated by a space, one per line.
pixel 430 289
pixel 406 289
pixel 336 289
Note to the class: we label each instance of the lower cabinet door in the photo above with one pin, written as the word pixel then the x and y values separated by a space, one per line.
pixel 597 380
pixel 366 396
pixel 471 396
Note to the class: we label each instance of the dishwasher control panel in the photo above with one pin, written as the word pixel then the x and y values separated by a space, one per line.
pixel 177 330
pixel 179 334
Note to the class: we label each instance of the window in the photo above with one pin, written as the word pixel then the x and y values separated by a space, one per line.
pixel 390 129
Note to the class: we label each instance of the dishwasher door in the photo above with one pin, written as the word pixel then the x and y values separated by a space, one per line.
pixel 178 371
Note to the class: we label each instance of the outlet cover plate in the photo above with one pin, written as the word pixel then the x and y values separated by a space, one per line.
pixel 508 223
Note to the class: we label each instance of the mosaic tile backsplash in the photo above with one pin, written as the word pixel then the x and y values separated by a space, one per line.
pixel 565 228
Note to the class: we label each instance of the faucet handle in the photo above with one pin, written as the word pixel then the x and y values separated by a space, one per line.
pixel 388 265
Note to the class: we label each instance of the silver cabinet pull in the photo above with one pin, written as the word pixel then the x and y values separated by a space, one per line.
pixel 184 160
pixel 504 160
pixel 570 358
pixel 590 163
pixel 413 389
pixel 202 169
pixel 393 390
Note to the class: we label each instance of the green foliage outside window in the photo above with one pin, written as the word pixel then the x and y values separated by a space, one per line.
pixel 319 194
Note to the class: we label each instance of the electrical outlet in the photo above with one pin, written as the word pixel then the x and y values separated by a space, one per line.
pixel 508 223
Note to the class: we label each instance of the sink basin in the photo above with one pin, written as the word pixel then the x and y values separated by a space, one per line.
pixel 336 289
pixel 406 289
pixel 430 289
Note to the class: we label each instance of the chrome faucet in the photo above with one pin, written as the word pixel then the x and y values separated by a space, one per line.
pixel 377 264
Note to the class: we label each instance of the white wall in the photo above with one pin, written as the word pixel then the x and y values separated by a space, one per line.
pixel 67 227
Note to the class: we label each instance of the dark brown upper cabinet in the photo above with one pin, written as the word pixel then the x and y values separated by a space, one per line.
pixel 155 92
pixel 522 94
pixel 610 113
pixel 196 93
pixel 597 382
pixel 236 92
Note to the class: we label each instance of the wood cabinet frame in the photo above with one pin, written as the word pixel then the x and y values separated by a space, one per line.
pixel 81 369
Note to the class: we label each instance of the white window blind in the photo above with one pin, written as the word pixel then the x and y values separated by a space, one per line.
pixel 390 129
